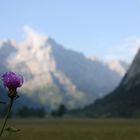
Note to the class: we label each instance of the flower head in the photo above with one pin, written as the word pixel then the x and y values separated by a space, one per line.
pixel 12 80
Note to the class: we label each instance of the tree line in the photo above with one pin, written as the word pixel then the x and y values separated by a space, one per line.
pixel 40 112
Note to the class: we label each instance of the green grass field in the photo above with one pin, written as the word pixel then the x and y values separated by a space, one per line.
pixel 74 129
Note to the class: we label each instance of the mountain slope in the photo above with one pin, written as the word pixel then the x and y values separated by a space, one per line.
pixel 122 102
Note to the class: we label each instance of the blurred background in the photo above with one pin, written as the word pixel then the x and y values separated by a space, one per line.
pixel 78 57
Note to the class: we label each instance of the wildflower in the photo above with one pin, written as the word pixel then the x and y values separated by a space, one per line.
pixel 12 81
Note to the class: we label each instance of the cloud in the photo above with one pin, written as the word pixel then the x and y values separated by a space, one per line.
pixel 126 50
pixel 33 38
pixel 133 44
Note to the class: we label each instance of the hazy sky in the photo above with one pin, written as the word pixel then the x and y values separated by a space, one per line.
pixel 109 29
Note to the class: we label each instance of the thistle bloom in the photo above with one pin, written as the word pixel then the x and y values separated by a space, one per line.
pixel 12 81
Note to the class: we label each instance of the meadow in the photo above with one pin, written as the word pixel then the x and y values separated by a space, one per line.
pixel 74 129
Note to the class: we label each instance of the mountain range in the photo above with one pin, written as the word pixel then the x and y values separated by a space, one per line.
pixel 124 101
pixel 55 75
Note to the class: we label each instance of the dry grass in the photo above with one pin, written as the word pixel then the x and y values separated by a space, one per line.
pixel 75 129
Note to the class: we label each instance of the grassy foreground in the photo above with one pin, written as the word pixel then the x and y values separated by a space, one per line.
pixel 74 129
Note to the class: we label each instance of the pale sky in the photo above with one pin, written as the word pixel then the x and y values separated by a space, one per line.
pixel 109 29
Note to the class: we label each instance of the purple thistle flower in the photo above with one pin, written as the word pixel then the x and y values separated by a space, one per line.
pixel 12 80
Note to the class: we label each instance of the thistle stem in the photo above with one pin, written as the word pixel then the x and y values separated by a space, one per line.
pixel 7 115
